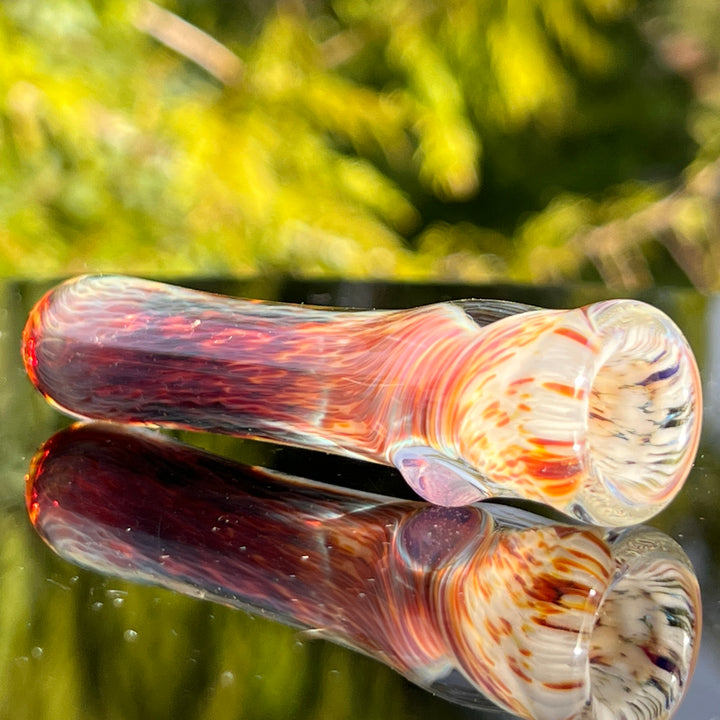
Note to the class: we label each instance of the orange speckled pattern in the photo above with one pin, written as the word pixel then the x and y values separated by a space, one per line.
pixel 594 411
pixel 547 620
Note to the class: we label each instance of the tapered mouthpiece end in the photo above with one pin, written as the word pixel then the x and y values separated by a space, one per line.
pixel 644 410
pixel 594 411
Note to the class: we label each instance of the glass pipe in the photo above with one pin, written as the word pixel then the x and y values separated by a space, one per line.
pixel 549 621
pixel 594 411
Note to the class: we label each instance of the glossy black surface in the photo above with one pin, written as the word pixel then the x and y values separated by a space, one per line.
pixel 74 644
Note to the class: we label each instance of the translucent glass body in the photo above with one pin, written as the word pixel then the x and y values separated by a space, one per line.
pixel 550 621
pixel 594 411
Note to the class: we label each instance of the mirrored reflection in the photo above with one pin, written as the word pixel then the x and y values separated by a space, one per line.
pixel 547 620
pixel 594 411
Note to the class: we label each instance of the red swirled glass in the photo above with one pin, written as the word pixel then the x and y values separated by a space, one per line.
pixel 595 411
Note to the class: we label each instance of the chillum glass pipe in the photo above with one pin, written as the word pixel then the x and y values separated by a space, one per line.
pixel 549 621
pixel 594 411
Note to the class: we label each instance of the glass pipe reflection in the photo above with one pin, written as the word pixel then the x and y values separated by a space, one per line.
pixel 550 621
pixel 595 411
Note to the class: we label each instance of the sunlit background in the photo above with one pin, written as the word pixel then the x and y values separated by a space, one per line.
pixel 461 140
pixel 453 141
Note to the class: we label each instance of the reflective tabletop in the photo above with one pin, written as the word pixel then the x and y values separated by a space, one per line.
pixel 77 644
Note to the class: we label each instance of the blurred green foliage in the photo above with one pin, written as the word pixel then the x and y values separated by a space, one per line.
pixel 526 140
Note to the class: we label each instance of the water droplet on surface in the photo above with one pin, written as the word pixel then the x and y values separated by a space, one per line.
pixel 227 679
pixel 37 652
pixel 130 635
